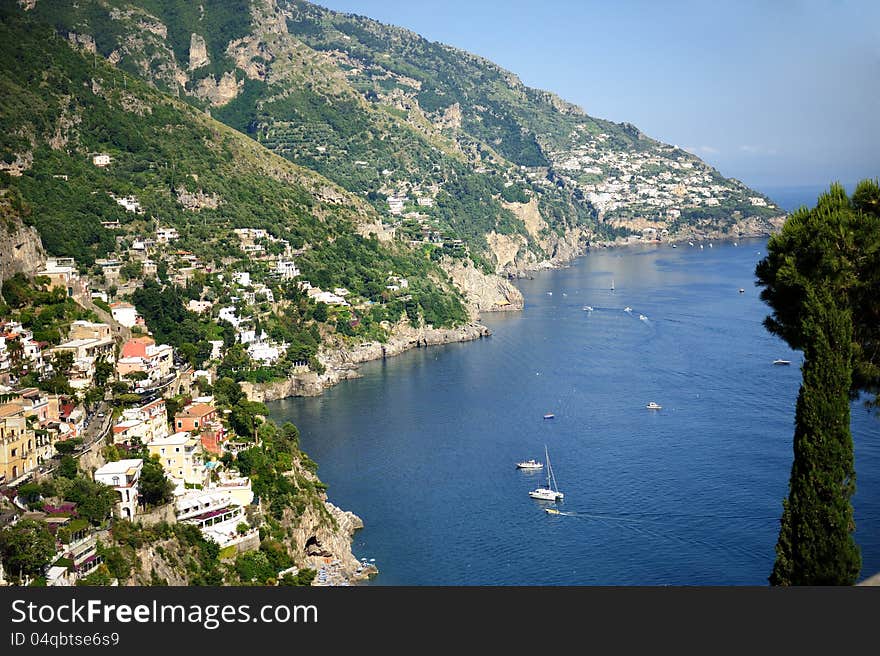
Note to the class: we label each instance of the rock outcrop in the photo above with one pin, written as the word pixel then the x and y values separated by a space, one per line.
pixel 21 250
pixel 484 293
pixel 198 52
pixel 342 363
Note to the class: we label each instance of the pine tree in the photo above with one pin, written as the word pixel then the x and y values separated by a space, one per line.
pixel 816 545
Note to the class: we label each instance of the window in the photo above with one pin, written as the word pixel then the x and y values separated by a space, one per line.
pixel 14 451
pixel 177 449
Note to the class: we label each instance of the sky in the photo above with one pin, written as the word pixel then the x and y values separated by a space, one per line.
pixel 772 92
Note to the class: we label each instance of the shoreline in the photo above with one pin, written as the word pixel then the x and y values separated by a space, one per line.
pixel 343 363
pixel 338 565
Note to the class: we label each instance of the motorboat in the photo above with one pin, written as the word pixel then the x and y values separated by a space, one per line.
pixel 654 406
pixel 531 463
pixel 742 291
pixel 588 308
pixel 549 415
pixel 552 511
pixel 627 309
pixel 780 361
pixel 642 317
pixel 548 493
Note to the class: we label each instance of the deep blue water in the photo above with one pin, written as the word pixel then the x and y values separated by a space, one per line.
pixel 423 446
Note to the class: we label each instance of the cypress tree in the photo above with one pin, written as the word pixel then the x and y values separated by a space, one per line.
pixel 816 545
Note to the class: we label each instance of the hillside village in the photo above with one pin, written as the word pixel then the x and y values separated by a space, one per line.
pixel 99 397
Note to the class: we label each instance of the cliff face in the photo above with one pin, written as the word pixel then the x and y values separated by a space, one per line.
pixel 484 293
pixel 21 250
pixel 341 363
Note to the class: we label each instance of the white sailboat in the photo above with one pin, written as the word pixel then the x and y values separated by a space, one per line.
pixel 548 493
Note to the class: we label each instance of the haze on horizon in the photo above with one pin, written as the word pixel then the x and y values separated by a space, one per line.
pixel 772 93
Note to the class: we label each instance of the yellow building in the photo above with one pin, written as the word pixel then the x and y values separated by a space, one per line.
pixel 18 454
pixel 182 458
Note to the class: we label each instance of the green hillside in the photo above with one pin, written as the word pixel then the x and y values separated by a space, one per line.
pixel 387 114
pixel 58 108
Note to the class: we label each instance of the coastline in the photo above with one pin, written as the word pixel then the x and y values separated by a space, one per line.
pixel 341 363
pixel 330 552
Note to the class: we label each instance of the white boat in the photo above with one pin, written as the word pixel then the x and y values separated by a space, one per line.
pixel 642 317
pixel 612 284
pixel 779 361
pixel 627 309
pixel 588 308
pixel 654 406
pixel 690 243
pixel 701 247
pixel 742 291
pixel 531 463
pixel 674 246
pixel 547 493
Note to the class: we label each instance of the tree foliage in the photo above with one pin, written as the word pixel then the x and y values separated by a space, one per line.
pixel 821 278
pixel 26 547
pixel 816 545
pixel 836 244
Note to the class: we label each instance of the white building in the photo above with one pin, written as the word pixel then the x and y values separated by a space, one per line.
pixel 124 313
pixel 242 278
pixel 165 235
pixel 228 314
pixel 395 204
pixel 130 203
pixel 216 348
pixel 101 160
pixel 216 514
pixel 286 269
pixel 264 353
pixel 122 476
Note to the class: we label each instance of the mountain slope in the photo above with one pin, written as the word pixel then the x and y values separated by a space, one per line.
pixel 523 177
pixel 184 170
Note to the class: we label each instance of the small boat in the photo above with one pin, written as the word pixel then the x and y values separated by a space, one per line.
pixel 549 415
pixel 701 247
pixel 547 493
pixel 642 317
pixel 710 244
pixel 780 361
pixel 549 293
pixel 654 406
pixel 588 308
pixel 551 511
pixel 627 309
pixel 742 291
pixel 531 463
pixel 735 244
pixel 612 284
pixel 690 243
pixel 674 246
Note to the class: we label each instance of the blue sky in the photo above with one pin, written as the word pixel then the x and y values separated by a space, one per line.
pixel 775 93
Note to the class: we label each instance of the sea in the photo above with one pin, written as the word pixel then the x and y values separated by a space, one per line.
pixel 423 446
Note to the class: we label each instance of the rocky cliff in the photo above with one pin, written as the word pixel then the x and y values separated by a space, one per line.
pixel 21 250
pixel 342 363
pixel 484 293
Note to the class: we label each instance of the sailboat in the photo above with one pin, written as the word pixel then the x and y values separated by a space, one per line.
pixel 548 493
pixel 612 284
